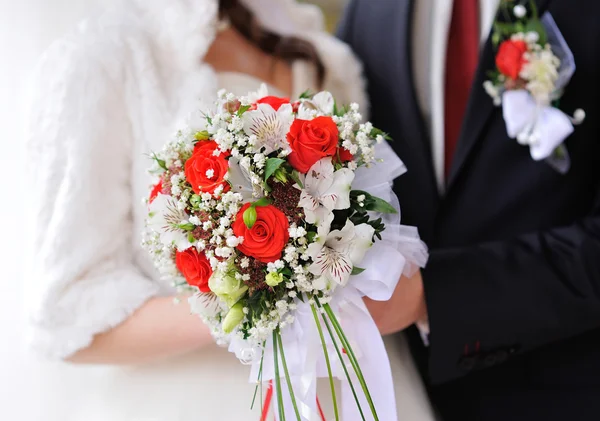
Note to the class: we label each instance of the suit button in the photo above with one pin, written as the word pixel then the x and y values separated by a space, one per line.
pixel 467 363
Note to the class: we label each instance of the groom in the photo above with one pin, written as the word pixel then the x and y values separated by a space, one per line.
pixel 512 289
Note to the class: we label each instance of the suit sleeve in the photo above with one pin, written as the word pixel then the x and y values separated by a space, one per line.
pixel 510 297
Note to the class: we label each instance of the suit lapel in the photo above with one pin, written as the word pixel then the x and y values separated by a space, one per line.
pixel 480 108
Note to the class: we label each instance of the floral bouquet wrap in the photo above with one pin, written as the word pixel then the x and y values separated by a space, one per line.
pixel 277 218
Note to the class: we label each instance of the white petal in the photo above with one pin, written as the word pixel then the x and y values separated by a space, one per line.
pixel 307 110
pixel 340 240
pixel 317 216
pixel 323 229
pixel 269 126
pixel 308 201
pixel 337 195
pixel 207 305
pixel 320 176
pixel 314 249
pixel 362 242
pixel 240 179
pixel 262 92
pixel 319 283
pixel 164 218
pixel 333 265
pixel 324 102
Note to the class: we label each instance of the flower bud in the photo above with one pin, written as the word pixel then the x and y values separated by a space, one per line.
pixel 203 135
pixel 233 318
pixel 227 287
pixel 273 279
pixel 280 175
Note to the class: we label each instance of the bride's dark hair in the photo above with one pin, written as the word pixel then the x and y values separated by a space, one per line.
pixel 286 48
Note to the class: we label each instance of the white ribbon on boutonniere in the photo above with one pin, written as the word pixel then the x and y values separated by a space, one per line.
pixel 528 102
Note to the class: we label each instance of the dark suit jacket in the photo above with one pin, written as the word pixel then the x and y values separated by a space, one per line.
pixel 513 282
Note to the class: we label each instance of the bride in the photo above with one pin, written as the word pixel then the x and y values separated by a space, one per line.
pixel 106 96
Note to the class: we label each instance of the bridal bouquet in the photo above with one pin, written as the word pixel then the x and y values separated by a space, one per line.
pixel 266 212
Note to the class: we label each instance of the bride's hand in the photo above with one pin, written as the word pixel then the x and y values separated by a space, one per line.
pixel 406 307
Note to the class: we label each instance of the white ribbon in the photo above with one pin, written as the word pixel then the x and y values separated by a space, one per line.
pixel 543 127
pixel 304 351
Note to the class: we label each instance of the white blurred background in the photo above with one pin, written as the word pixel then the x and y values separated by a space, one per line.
pixel 29 389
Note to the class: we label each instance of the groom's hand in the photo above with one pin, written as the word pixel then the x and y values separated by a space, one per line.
pixel 406 307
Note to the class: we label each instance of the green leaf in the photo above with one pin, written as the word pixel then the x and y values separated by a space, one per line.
pixel 536 25
pixel 357 271
pixel 306 94
pixel 191 238
pixel 286 271
pixel 243 109
pixel 295 175
pixel 161 162
pixel 271 166
pixel 339 111
pixel 380 205
pixel 250 217
pixel 519 27
pixel 261 202
pixel 310 236
pixel 376 132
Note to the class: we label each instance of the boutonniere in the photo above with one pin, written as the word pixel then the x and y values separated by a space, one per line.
pixel 533 66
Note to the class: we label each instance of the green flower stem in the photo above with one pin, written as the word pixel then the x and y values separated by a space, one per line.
pixel 278 379
pixel 339 354
pixel 331 384
pixel 287 375
pixel 352 357
pixel 259 381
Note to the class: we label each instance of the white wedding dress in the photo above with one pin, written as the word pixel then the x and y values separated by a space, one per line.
pixel 106 96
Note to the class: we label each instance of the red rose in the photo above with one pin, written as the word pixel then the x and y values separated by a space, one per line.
pixel 155 191
pixel 274 101
pixel 510 58
pixel 195 268
pixel 343 155
pixel 310 141
pixel 268 236
pixel 205 171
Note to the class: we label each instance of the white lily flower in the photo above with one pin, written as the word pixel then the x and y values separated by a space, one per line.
pixel 252 97
pixel 240 180
pixel 336 253
pixel 325 190
pixel 165 218
pixel 206 305
pixel 269 126
pixel 322 104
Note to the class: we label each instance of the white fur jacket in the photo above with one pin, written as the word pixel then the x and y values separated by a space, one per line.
pixel 106 95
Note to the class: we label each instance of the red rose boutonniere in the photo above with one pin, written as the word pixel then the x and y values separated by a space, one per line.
pixel 533 66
